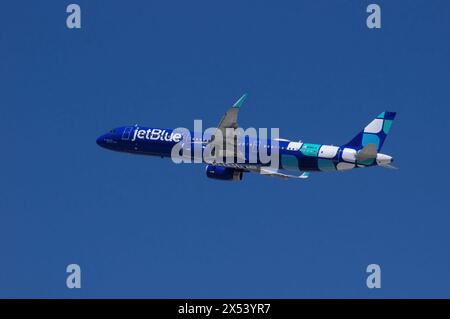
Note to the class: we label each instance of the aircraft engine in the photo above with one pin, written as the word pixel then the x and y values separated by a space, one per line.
pixel 224 173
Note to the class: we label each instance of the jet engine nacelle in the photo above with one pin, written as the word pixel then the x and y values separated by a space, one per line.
pixel 223 173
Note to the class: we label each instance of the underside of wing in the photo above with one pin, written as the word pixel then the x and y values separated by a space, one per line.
pixel 265 171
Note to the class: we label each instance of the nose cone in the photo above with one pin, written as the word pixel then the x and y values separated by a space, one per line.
pixel 108 141
pixel 101 141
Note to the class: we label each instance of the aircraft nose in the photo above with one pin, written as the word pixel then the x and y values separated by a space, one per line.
pixel 101 140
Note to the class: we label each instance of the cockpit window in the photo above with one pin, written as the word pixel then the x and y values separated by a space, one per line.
pixel 112 131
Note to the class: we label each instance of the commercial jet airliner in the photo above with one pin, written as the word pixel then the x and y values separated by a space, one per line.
pixel 295 158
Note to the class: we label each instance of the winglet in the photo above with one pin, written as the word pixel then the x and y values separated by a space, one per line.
pixel 239 102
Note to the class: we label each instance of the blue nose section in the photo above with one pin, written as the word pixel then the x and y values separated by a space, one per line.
pixel 101 141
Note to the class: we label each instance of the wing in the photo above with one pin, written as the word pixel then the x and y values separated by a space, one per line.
pixel 265 171
pixel 229 120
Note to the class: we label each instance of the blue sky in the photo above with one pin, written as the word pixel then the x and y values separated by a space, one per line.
pixel 145 227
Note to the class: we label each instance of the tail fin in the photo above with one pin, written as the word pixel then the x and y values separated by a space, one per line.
pixel 374 133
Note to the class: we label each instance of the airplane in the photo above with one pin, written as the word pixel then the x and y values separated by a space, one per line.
pixel 297 160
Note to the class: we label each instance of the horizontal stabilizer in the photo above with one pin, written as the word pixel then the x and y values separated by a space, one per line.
pixel 367 152
pixel 389 166
pixel 276 173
